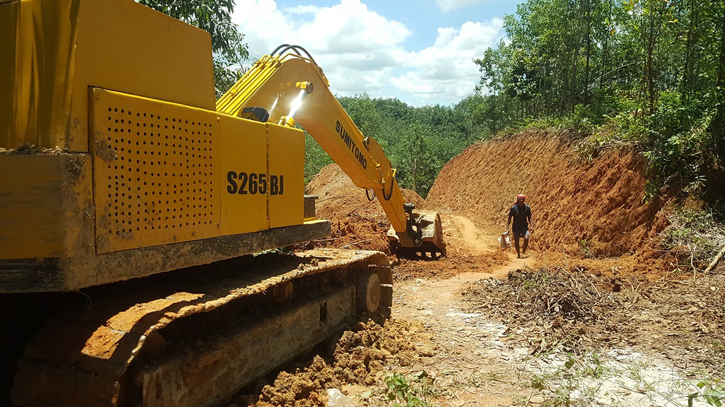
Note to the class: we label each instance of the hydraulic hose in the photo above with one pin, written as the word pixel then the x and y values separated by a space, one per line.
pixel 367 194
pixel 392 185
pixel 296 48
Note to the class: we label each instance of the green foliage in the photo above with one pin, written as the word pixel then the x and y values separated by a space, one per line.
pixel 629 124
pixel 696 235
pixel 414 393
pixel 712 391
pixel 562 384
pixel 682 155
pixel 315 158
pixel 213 16
pixel 648 72
pixel 418 141
pixel 585 248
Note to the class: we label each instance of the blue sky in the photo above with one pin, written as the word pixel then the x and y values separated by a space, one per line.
pixel 420 52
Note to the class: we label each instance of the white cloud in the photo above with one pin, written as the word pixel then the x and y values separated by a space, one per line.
pixel 445 70
pixel 448 5
pixel 263 25
pixel 350 26
pixel 356 46
pixel 303 9
pixel 362 51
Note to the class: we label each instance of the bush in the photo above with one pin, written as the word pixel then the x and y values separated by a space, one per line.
pixel 694 236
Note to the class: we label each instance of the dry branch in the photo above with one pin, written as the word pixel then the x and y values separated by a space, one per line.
pixel 714 261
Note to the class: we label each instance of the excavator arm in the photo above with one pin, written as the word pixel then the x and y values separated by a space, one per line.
pixel 288 87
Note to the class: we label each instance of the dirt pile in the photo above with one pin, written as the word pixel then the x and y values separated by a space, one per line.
pixel 591 208
pixel 357 223
pixel 360 224
pixel 358 357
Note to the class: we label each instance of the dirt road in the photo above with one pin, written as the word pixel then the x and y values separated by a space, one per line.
pixel 471 358
pixel 491 352
pixel 464 353
pixel 465 332
pixel 432 327
pixel 598 316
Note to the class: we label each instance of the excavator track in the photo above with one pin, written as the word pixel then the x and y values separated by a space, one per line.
pixel 194 337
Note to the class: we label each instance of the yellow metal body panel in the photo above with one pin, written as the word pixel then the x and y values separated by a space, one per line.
pixel 60 48
pixel 8 26
pixel 46 205
pixel 37 47
pixel 166 173
pixel 244 156
pixel 287 163
pixel 131 48
pixel 156 172
pixel 29 227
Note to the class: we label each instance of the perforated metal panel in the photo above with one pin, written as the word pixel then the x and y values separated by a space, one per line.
pixel 155 172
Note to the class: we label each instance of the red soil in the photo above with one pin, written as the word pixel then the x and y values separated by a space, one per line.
pixel 356 222
pixel 580 209
pixel 592 208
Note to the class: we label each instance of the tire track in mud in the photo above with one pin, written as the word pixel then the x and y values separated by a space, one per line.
pixel 472 361
pixel 465 237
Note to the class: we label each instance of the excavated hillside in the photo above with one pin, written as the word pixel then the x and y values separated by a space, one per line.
pixel 481 327
pixel 596 207
pixel 357 223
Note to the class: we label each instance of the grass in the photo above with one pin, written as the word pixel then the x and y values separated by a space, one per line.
pixel 415 391
pixel 634 372
pixel 570 383
pixel 711 391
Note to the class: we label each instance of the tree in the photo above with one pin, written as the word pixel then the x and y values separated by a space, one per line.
pixel 416 166
pixel 418 141
pixel 213 16
pixel 718 123
pixel 653 69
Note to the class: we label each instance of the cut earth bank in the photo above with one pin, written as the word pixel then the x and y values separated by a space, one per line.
pixel 601 314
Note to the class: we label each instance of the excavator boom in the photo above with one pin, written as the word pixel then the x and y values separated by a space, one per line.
pixel 288 87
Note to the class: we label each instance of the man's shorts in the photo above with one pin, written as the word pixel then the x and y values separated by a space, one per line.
pixel 521 233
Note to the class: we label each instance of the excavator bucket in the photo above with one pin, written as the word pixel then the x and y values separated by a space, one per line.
pixel 429 245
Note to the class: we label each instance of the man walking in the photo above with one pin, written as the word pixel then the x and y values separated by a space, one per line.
pixel 521 214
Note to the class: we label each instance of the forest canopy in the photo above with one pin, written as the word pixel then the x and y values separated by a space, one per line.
pixel 418 141
pixel 646 71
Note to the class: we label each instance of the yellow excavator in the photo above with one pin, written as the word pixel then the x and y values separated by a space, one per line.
pixel 135 207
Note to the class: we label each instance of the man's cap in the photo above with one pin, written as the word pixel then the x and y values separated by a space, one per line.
pixel 520 196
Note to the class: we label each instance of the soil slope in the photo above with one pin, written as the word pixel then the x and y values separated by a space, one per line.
pixel 357 223
pixel 592 208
